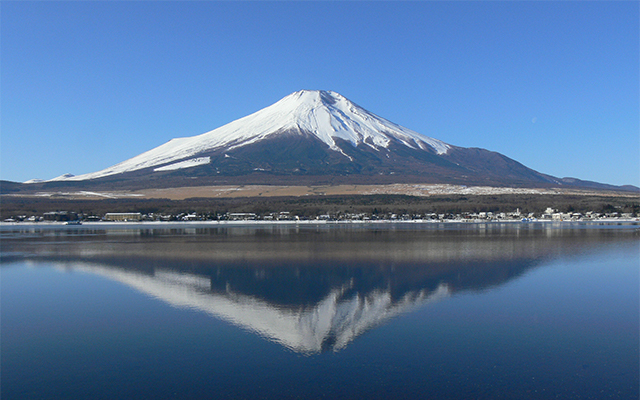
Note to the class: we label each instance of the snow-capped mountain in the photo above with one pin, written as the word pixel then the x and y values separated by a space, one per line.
pixel 315 136
pixel 326 116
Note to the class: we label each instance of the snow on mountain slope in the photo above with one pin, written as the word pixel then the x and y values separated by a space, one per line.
pixel 193 162
pixel 63 177
pixel 35 180
pixel 327 115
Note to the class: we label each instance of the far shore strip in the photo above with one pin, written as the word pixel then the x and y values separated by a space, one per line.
pixel 235 191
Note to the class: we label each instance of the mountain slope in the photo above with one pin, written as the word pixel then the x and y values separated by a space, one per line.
pixel 327 116
pixel 315 137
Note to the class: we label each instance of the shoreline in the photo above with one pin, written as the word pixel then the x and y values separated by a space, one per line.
pixel 153 224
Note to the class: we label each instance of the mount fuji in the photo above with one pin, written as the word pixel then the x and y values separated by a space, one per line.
pixel 317 137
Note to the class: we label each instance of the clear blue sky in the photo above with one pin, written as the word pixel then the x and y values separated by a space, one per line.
pixel 554 85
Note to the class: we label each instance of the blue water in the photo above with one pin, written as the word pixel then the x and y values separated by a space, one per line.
pixel 459 313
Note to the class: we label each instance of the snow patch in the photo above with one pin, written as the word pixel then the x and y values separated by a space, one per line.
pixel 185 164
pixel 34 181
pixel 63 177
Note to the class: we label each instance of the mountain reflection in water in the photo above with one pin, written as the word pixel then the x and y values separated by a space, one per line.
pixel 310 289
pixel 331 323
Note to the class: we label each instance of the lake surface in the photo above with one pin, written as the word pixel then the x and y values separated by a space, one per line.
pixel 456 311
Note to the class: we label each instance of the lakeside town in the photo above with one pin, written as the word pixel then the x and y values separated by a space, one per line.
pixel 550 214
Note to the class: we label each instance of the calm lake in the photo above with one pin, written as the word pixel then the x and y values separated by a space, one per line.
pixel 441 311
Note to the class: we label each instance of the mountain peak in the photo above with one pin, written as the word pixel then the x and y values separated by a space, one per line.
pixel 329 115
pixel 316 94
pixel 317 98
